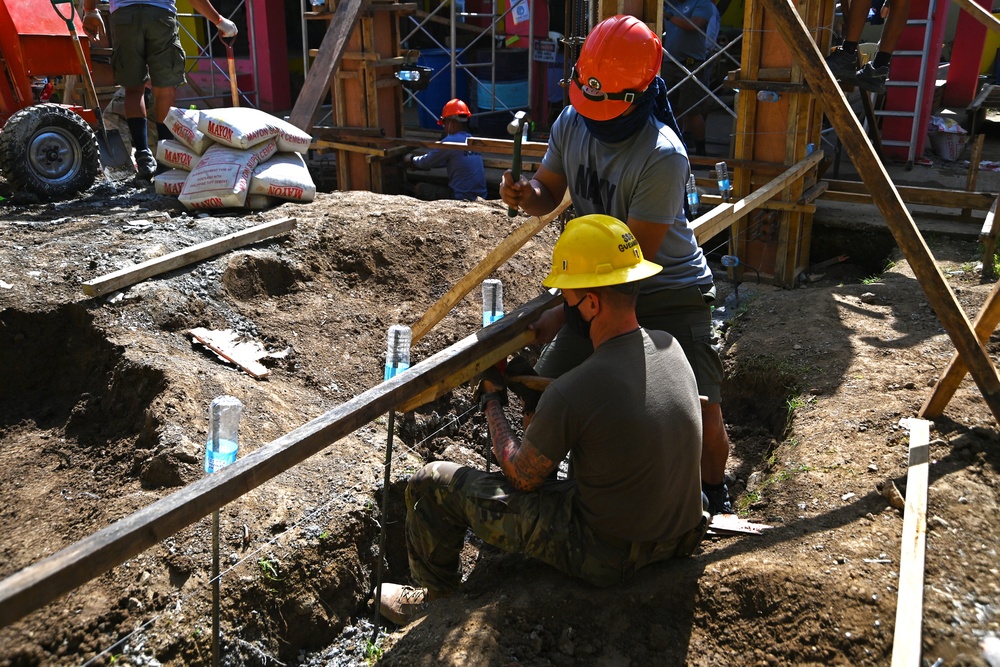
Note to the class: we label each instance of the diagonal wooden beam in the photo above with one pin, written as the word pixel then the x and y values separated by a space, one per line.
pixel 331 51
pixel 887 199
pixel 986 322
pixel 980 14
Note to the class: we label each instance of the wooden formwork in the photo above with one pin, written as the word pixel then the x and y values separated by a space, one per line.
pixel 776 241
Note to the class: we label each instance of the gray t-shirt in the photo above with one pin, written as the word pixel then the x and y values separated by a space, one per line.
pixel 630 417
pixel 642 177
pixel 688 43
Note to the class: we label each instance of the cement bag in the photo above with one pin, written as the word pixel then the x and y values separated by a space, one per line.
pixel 175 154
pixel 290 138
pixel 221 178
pixel 170 182
pixel 238 127
pixel 183 124
pixel 286 176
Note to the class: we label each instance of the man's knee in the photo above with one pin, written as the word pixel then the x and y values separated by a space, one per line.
pixel 434 474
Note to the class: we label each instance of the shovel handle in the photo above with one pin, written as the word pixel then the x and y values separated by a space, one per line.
pixel 232 69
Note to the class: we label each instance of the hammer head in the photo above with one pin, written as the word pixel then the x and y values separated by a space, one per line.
pixel 515 125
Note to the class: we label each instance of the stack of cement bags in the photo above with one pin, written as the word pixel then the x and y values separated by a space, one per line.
pixel 233 157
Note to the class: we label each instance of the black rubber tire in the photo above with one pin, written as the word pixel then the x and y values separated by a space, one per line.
pixel 50 151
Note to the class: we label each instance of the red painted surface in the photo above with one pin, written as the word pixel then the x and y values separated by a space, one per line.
pixel 35 42
pixel 966 56
pixel 907 68
pixel 268 42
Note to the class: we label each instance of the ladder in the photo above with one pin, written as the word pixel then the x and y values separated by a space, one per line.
pixel 898 111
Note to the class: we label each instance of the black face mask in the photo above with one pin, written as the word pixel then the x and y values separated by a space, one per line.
pixel 574 319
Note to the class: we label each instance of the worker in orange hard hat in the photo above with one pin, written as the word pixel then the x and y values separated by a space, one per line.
pixel 618 152
pixel 466 173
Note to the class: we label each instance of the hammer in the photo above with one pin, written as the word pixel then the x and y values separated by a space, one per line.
pixel 517 128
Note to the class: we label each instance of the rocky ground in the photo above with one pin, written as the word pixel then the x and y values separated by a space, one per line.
pixel 103 410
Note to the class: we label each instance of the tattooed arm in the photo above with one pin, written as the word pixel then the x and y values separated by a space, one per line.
pixel 523 464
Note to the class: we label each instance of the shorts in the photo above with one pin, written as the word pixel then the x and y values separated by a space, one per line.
pixel 689 96
pixel 146 42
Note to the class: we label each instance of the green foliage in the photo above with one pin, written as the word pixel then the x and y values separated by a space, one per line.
pixel 269 569
pixel 373 650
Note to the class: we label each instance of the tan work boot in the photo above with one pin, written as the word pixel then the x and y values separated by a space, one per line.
pixel 403 604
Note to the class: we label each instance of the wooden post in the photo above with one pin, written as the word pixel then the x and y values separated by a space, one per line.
pixel 888 201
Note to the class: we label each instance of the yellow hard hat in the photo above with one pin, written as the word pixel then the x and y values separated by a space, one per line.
pixel 597 251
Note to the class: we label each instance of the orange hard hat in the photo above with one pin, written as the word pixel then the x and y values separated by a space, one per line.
pixel 619 59
pixel 454 108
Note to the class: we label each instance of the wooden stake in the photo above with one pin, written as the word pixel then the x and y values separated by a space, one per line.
pixel 888 201
pixel 906 641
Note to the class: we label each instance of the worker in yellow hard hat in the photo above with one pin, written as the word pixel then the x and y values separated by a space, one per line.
pixel 629 416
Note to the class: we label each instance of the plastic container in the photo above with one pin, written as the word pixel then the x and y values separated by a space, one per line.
pixel 397 352
pixel 722 176
pixel 223 433
pixel 509 95
pixel 438 90
pixel 492 301
pixel 693 198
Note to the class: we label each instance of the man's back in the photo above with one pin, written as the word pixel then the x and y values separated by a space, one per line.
pixel 631 419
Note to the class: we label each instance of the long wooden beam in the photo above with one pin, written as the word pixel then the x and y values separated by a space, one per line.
pixel 980 14
pixel 331 52
pixel 986 323
pixel 174 260
pixel 857 192
pixel 44 581
pixel 484 268
pixel 723 216
pixel 887 199
pixel 906 643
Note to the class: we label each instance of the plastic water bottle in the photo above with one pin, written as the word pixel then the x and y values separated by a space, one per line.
pixel 492 301
pixel 722 176
pixel 223 432
pixel 730 261
pixel 397 353
pixel 767 96
pixel 694 201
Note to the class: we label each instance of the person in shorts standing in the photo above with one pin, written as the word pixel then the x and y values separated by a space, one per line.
pixel 145 43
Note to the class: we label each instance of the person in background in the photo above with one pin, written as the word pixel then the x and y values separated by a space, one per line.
pixel 617 150
pixel 466 173
pixel 843 62
pixel 635 440
pixel 685 25
pixel 145 42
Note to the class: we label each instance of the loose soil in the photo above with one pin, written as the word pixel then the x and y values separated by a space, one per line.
pixel 103 410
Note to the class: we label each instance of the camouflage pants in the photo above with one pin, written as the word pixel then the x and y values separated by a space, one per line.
pixel 445 499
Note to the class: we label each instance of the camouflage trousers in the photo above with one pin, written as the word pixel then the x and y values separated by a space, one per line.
pixel 445 499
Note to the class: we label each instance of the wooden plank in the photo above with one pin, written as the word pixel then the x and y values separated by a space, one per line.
pixel 888 201
pixel 226 345
pixel 721 217
pixel 464 375
pixel 353 148
pixel 980 14
pixel 857 192
pixel 44 581
pixel 906 640
pixel 528 148
pixel 318 80
pixel 154 267
pixel 973 174
pixel 484 268
pixel 986 323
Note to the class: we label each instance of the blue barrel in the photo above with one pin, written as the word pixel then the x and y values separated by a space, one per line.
pixel 438 91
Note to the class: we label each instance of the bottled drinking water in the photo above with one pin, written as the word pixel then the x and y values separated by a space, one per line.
pixel 397 353
pixel 223 432
pixel 694 201
pixel 492 301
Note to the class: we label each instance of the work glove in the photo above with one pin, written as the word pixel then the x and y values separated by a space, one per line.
pixel 496 375
pixel 518 366
pixel 93 24
pixel 226 28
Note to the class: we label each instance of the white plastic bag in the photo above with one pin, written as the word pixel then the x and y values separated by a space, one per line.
pixel 176 155
pixel 237 127
pixel 183 124
pixel 170 182
pixel 221 178
pixel 285 176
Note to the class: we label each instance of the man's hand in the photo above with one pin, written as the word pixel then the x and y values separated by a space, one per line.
pixel 227 28
pixel 513 193
pixel 93 25
pixel 548 325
